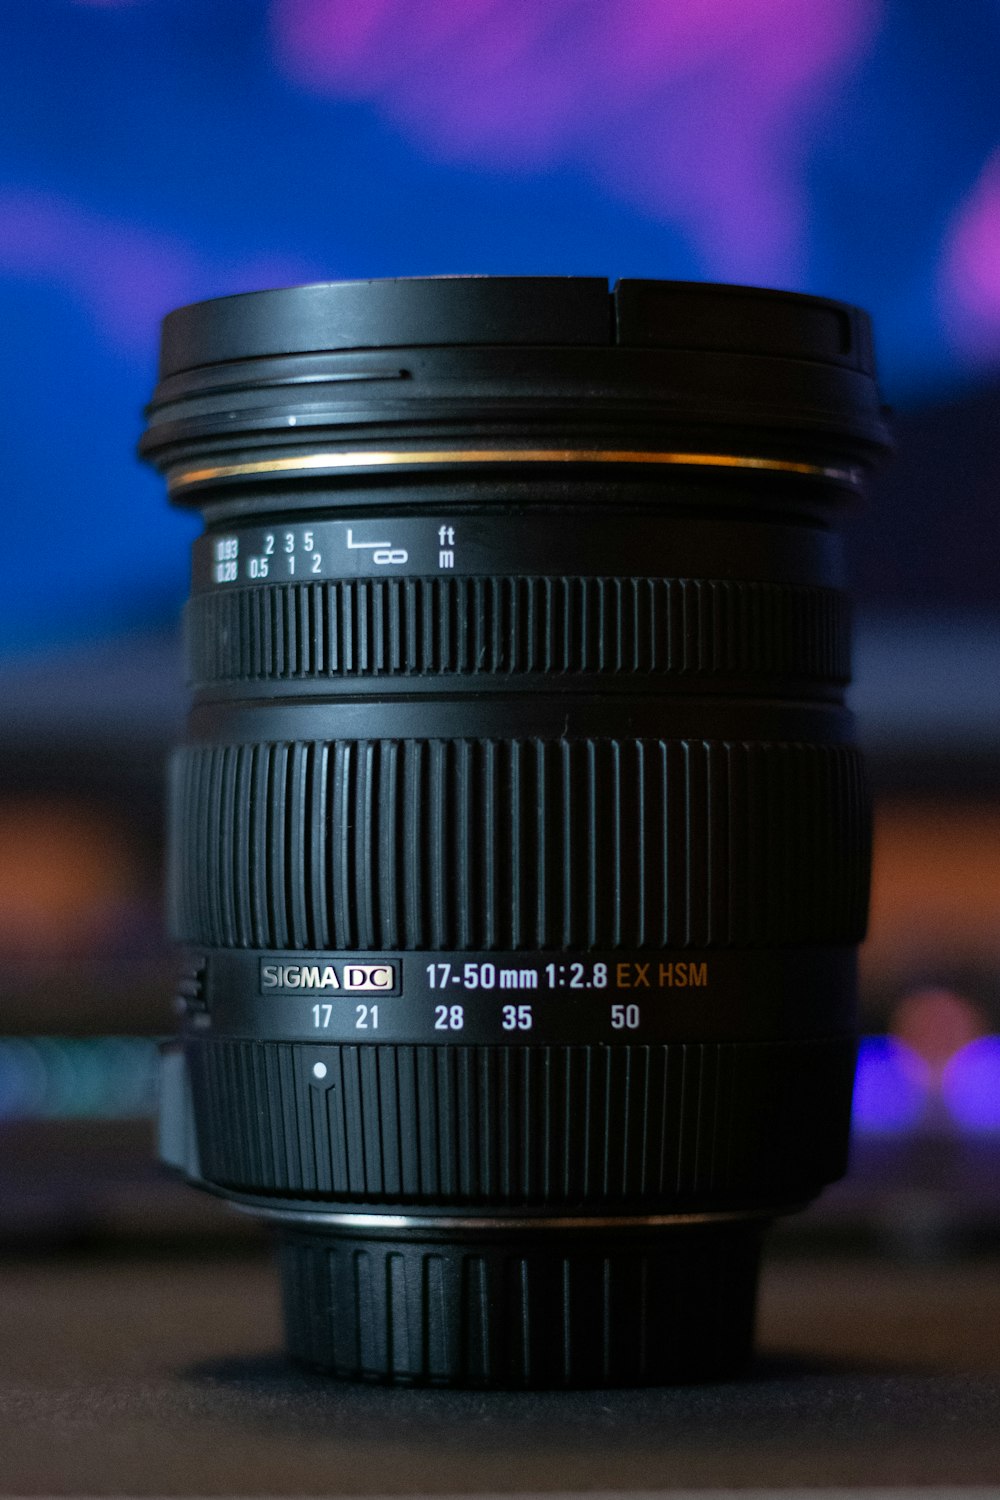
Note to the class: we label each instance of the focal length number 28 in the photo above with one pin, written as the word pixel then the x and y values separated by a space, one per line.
pixel 513 1017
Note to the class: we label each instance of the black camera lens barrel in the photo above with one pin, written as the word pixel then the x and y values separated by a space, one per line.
pixel 519 846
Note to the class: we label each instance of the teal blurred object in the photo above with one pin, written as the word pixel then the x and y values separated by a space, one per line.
pixel 71 1078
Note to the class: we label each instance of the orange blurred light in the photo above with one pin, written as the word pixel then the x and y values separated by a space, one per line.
pixel 935 888
pixel 66 872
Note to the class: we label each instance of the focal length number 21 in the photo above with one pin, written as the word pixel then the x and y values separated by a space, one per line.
pixel 365 1017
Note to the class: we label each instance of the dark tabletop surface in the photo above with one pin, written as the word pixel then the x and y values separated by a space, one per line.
pixel 162 1375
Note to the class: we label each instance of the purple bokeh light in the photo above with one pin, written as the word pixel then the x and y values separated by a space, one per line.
pixel 971 1086
pixel 126 276
pixel 892 1087
pixel 699 112
pixel 970 290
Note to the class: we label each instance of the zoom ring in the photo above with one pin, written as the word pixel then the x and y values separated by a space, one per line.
pixel 518 844
pixel 553 1125
pixel 509 625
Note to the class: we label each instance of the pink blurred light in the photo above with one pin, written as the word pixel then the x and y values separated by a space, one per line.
pixel 700 111
pixel 936 1022
pixel 970 273
pixel 123 275
pixel 733 128
pixel 127 277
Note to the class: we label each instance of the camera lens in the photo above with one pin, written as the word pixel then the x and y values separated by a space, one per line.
pixel 519 847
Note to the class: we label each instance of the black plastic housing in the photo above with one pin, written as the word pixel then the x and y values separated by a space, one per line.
pixel 519 845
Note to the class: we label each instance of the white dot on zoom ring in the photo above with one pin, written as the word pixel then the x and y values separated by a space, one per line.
pixel 319 1070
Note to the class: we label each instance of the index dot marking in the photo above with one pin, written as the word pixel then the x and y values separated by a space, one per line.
pixel 319 1070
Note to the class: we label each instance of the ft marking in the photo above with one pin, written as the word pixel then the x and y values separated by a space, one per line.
pixel 446 552
pixel 680 975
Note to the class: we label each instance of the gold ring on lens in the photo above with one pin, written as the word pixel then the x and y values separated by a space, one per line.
pixel 386 458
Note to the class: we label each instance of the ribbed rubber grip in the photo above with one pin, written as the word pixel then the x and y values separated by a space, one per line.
pixel 483 844
pixel 553 1125
pixel 575 1309
pixel 360 627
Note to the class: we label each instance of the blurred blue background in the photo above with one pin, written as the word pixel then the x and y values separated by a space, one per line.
pixel 157 151
pixel 153 152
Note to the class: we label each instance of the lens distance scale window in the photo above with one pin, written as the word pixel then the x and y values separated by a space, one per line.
pixel 391 546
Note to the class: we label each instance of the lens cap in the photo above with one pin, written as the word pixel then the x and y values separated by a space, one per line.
pixel 554 311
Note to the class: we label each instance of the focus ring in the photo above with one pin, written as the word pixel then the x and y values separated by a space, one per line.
pixel 364 627
pixel 559 1125
pixel 518 844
